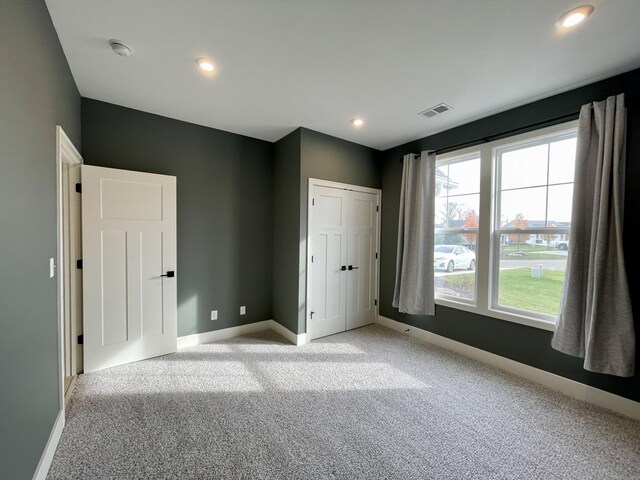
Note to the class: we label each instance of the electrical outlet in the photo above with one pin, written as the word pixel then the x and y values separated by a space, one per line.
pixel 214 314
pixel 243 310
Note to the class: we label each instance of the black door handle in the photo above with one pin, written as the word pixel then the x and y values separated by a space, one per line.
pixel 351 267
pixel 169 274
pixel 343 268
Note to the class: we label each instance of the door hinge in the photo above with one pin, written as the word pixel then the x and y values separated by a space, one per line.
pixel 80 339
pixel 313 202
pixel 377 208
pixel 376 302
pixel 311 258
pixel 376 255
pixel 78 187
pixel 79 264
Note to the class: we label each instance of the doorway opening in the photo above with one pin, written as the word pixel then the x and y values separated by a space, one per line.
pixel 68 163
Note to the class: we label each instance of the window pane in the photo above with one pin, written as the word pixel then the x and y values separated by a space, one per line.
pixel 457 194
pixel 560 202
pixel 524 167
pixel 562 156
pixel 458 212
pixel 523 208
pixel 464 177
pixel 442 181
pixel 454 266
pixel 531 274
pixel 441 212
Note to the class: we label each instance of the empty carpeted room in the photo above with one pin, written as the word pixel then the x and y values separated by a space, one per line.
pixel 338 239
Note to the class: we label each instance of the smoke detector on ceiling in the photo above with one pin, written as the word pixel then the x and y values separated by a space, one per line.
pixel 437 110
pixel 120 48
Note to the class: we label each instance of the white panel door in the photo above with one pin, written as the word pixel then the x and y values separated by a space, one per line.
pixel 343 236
pixel 361 259
pixel 129 263
pixel 329 236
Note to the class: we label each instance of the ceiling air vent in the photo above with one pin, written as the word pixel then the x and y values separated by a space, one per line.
pixel 433 111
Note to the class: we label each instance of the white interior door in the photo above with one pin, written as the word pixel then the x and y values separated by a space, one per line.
pixel 361 259
pixel 329 283
pixel 129 263
pixel 343 239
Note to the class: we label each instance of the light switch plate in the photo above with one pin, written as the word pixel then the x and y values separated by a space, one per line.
pixel 52 268
pixel 243 310
pixel 214 314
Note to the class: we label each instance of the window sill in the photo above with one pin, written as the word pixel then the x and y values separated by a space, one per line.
pixel 499 314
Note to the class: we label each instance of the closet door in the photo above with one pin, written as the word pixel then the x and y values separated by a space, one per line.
pixel 328 229
pixel 361 259
pixel 342 276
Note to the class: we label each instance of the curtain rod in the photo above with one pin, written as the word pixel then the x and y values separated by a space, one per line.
pixel 496 136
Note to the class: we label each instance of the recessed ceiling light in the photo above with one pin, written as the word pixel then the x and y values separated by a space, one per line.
pixel 205 64
pixel 575 16
pixel 357 122
pixel 120 48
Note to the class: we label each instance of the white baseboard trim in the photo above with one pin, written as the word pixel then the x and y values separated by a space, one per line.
pixel 296 339
pixel 223 334
pixel 574 389
pixel 50 448
pixel 215 335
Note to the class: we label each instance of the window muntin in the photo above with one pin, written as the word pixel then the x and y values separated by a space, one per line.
pixel 533 191
pixel 456 227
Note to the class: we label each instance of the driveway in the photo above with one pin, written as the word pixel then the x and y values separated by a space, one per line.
pixel 526 263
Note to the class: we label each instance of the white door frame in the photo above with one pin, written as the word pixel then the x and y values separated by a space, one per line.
pixel 316 182
pixel 66 154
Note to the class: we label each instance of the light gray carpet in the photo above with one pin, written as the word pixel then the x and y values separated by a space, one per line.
pixel 370 403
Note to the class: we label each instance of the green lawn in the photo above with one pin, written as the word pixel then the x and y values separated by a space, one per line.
pixel 520 290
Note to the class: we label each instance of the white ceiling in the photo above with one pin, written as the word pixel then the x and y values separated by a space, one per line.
pixel 318 63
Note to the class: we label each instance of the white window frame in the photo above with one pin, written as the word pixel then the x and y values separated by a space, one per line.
pixel 487 255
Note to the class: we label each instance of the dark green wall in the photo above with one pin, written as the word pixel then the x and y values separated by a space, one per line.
pixel 37 92
pixel 286 225
pixel 521 343
pixel 225 187
pixel 329 158
pixel 301 155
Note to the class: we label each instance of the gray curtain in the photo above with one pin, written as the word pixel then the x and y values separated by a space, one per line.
pixel 595 320
pixel 414 263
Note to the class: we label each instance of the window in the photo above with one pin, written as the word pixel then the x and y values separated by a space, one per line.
pixel 456 227
pixel 502 218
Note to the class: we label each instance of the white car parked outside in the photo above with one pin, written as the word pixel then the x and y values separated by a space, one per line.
pixel 450 257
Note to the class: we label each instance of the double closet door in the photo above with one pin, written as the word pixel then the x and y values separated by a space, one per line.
pixel 343 236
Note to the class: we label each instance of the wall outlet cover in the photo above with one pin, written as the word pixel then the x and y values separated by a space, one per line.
pixel 214 314
pixel 243 310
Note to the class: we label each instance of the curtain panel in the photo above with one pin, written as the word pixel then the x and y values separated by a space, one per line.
pixel 595 320
pixel 414 261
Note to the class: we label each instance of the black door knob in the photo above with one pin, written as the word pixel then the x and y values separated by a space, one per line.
pixel 351 267
pixel 169 274
pixel 343 268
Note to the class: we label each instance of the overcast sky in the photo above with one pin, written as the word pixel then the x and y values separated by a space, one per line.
pixel 523 182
